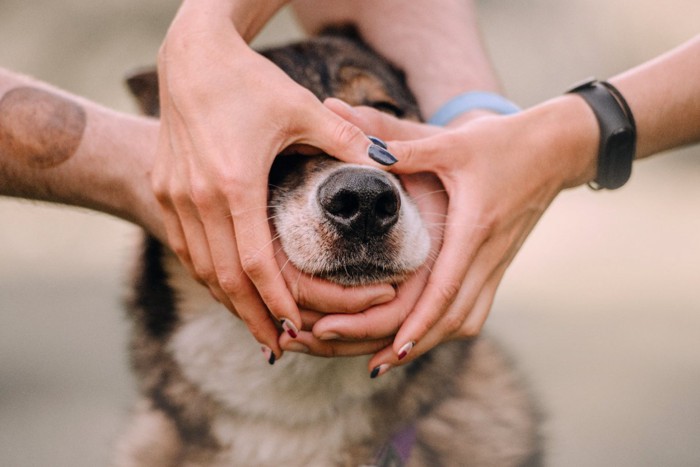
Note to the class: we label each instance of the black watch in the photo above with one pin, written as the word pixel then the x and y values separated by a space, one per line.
pixel 618 133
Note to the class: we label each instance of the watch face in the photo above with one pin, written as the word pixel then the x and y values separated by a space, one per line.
pixel 619 155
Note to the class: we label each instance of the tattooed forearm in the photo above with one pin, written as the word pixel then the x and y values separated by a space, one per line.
pixel 62 148
pixel 38 128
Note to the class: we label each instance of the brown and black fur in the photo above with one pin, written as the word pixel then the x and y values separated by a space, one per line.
pixel 467 404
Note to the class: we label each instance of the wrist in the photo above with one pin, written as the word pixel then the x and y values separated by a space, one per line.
pixel 246 16
pixel 567 131
pixel 112 172
pixel 474 103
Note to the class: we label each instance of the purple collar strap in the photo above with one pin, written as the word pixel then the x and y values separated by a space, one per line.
pixel 397 451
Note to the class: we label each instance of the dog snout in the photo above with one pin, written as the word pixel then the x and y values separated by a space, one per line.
pixel 360 203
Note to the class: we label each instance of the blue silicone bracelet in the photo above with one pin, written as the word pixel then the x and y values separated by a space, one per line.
pixel 474 100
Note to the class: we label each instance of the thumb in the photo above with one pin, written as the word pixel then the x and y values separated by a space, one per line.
pixel 421 155
pixel 345 141
pixel 381 124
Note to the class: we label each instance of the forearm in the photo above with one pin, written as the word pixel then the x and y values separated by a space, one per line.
pixel 437 43
pixel 60 148
pixel 664 96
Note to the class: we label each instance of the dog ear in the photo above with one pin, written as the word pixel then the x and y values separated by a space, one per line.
pixel 143 84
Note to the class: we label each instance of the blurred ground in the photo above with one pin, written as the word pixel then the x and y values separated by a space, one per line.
pixel 601 308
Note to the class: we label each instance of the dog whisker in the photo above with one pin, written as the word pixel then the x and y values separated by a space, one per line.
pixel 430 193
pixel 433 213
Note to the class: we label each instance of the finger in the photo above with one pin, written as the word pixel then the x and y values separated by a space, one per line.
pixel 424 155
pixel 466 315
pixel 231 280
pixel 377 322
pixel 381 124
pixel 477 316
pixel 477 313
pixel 317 294
pixel 374 323
pixel 161 178
pixel 309 319
pixel 327 297
pixel 256 254
pixel 343 140
pixel 445 282
pixel 307 343
pixel 176 236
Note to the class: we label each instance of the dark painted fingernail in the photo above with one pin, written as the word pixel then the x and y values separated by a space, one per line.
pixel 289 327
pixel 377 141
pixel 269 355
pixel 380 155
pixel 380 370
pixel 403 351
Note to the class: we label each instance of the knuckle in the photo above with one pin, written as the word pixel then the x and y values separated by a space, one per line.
pixel 490 222
pixel 447 290
pixel 202 194
pixel 161 189
pixel 181 251
pixel 345 132
pixel 231 284
pixel 470 329
pixel 205 274
pixel 330 351
pixel 300 293
pixel 236 188
pixel 158 185
pixel 453 322
pixel 178 195
pixel 252 264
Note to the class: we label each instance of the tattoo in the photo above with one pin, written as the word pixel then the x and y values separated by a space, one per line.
pixel 40 128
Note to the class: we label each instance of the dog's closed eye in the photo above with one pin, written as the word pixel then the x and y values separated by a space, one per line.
pixel 387 107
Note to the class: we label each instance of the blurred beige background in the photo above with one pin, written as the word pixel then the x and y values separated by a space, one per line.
pixel 601 309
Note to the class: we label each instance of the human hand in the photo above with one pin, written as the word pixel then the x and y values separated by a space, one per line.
pixel 226 112
pixel 356 329
pixel 365 321
pixel 500 174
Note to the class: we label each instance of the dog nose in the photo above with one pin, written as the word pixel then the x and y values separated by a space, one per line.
pixel 359 202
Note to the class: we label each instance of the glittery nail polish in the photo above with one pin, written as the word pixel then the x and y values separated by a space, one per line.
pixel 380 155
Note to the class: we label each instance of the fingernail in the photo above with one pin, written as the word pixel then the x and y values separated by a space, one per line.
pixel 329 336
pixel 380 155
pixel 297 347
pixel 289 327
pixel 380 370
pixel 403 351
pixel 377 141
pixel 269 355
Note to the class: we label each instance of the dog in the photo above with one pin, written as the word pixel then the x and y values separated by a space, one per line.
pixel 207 397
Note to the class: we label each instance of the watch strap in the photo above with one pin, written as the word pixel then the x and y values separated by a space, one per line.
pixel 618 132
